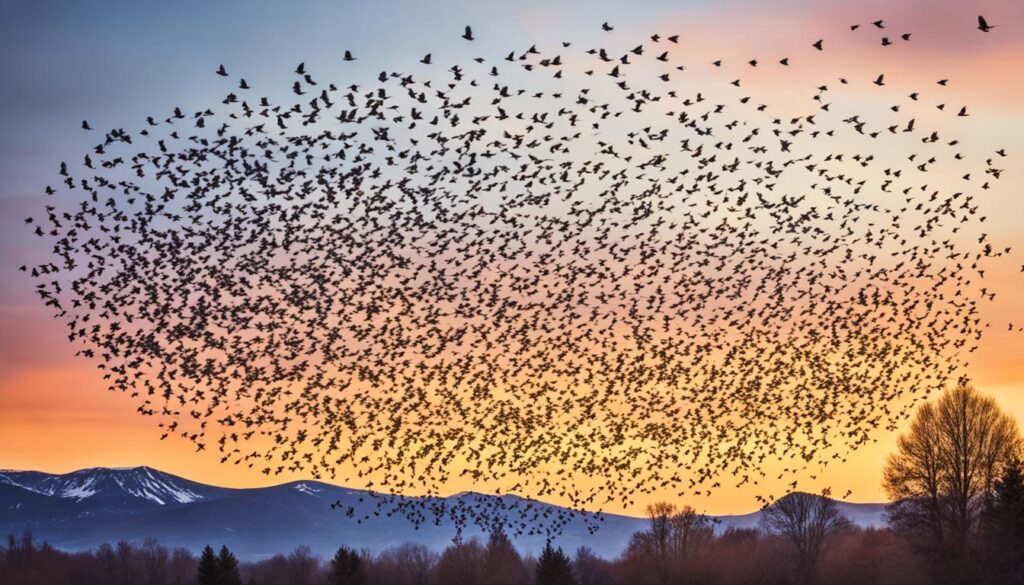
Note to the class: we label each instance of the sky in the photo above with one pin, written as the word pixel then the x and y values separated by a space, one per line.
pixel 116 62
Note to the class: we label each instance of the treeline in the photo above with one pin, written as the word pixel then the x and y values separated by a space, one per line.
pixel 872 557
pixel 736 557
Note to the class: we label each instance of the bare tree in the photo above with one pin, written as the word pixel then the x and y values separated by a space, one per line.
pixel 154 562
pixel 689 531
pixel 946 469
pixel 806 521
pixel 590 569
pixel 181 567
pixel 674 535
pixel 303 565
pixel 461 564
pixel 660 514
pixel 108 562
pixel 416 561
pixel 502 565
pixel 126 563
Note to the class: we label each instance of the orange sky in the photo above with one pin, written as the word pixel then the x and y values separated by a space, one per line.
pixel 56 416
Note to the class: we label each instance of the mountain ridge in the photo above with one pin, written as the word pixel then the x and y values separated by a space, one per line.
pixel 83 508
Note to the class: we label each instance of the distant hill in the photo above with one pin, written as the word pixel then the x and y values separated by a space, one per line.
pixel 82 509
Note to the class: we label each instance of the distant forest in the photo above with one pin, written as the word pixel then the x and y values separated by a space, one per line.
pixel 957 518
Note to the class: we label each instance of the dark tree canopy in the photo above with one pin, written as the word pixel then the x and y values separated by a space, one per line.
pixel 1004 522
pixel 946 469
pixel 228 566
pixel 554 567
pixel 346 568
pixel 209 568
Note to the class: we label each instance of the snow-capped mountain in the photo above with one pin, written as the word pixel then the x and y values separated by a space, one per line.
pixel 144 483
pixel 85 508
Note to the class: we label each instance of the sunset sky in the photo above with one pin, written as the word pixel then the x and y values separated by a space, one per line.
pixel 115 62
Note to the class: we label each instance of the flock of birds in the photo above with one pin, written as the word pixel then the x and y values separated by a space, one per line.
pixel 563 274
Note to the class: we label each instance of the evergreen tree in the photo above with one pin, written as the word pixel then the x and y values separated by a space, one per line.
pixel 1006 518
pixel 554 568
pixel 346 568
pixel 227 564
pixel 209 568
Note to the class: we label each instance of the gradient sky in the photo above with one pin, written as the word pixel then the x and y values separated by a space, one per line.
pixel 115 62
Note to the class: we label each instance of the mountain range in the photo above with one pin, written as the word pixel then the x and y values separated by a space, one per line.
pixel 82 509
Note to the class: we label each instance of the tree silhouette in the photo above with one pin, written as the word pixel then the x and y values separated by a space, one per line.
pixel 1005 521
pixel 502 564
pixel 807 521
pixel 554 568
pixel 690 530
pixel 461 563
pixel 346 568
pixel 209 568
pixel 659 515
pixel 415 561
pixel 218 569
pixel 945 472
pixel 227 565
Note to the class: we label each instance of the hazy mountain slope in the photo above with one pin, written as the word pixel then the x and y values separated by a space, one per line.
pixel 82 509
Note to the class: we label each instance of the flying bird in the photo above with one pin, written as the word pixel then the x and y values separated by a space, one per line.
pixel 419 278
